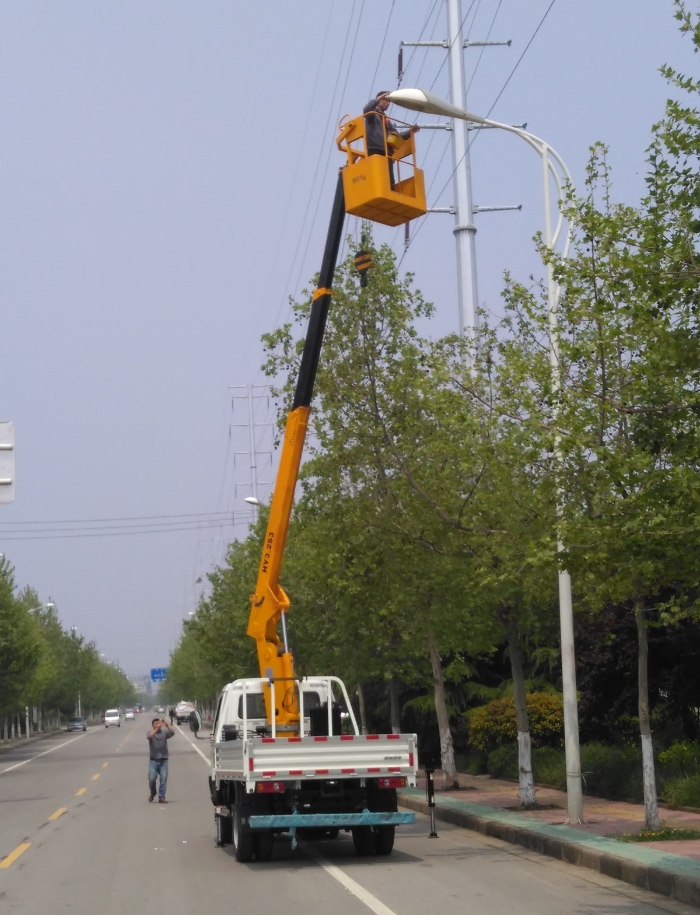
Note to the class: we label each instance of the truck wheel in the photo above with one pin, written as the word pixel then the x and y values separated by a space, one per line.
pixel 224 830
pixel 264 840
pixel 363 840
pixel 242 838
pixel 384 839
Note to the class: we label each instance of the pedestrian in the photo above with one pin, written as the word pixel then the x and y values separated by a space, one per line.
pixel 171 712
pixel 158 738
pixel 380 130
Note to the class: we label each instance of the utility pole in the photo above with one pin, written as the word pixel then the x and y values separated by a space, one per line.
pixel 463 207
pixel 464 230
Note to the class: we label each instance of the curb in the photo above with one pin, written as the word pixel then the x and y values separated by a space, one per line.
pixel 649 869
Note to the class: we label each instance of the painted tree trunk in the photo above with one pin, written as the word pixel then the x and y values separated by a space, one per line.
pixel 363 709
pixel 27 728
pixel 526 790
pixel 651 801
pixel 394 697
pixel 447 753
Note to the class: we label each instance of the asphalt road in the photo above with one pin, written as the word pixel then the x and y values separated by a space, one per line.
pixel 77 835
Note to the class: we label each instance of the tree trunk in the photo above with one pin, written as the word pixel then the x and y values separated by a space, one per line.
pixel 526 789
pixel 447 753
pixel 363 709
pixel 651 802
pixel 394 703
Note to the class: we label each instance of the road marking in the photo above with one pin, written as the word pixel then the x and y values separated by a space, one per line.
pixel 20 850
pixel 351 885
pixel 104 765
pixel 55 816
pixel 82 791
pixel 95 777
pixel 57 747
pixel 193 745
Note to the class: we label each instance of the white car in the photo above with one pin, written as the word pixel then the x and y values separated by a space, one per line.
pixel 112 718
pixel 129 715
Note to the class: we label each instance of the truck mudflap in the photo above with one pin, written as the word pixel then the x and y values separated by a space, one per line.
pixel 308 820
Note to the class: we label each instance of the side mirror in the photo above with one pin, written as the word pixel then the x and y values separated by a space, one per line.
pixel 195 721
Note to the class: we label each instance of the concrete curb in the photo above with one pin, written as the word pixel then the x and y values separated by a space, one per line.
pixel 647 868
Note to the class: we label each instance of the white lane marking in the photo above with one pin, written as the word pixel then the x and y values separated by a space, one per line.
pixel 57 747
pixel 193 745
pixel 372 903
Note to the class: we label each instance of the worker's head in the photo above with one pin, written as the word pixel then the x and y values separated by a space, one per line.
pixel 382 101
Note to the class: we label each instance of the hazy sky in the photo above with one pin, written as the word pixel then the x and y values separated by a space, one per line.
pixel 167 172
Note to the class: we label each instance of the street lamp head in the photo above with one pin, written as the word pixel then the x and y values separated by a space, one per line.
pixel 427 102
pixel 50 605
pixel 251 500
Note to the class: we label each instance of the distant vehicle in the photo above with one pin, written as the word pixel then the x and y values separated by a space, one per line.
pixel 112 718
pixel 76 723
pixel 130 715
pixel 183 711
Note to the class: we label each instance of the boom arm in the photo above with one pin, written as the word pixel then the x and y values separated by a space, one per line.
pixel 269 604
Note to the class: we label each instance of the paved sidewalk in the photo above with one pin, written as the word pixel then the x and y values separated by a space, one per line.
pixel 491 806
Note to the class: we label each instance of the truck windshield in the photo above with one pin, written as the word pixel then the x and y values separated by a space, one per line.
pixel 255 704
pixel 311 699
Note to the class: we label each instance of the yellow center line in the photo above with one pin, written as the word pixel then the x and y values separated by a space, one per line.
pixel 104 765
pixel 55 816
pixel 95 777
pixel 6 862
pixel 82 791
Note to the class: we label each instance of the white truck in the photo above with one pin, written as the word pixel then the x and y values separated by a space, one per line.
pixel 313 784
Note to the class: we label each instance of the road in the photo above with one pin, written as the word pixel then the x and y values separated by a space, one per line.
pixel 77 835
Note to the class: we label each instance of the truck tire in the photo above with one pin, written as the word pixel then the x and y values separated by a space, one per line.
pixel 384 839
pixel 224 830
pixel 364 840
pixel 264 840
pixel 241 838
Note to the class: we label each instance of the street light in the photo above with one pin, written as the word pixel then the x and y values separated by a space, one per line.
pixel 426 102
pixel 251 500
pixel 49 605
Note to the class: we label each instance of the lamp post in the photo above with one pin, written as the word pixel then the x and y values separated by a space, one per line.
pixel 421 100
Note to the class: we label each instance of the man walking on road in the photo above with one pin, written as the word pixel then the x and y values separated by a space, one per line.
pixel 158 738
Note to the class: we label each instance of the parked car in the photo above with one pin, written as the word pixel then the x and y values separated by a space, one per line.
pixel 129 715
pixel 76 723
pixel 112 718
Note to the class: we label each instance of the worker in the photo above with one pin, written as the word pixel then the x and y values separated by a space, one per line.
pixel 380 129
pixel 158 738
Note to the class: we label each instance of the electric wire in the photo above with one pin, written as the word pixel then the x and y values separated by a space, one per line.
pixel 481 54
pixel 120 519
pixel 122 533
pixel 414 48
pixel 381 49
pixel 488 114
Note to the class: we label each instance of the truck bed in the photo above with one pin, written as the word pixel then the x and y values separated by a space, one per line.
pixel 343 756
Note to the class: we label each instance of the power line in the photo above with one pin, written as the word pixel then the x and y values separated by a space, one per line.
pixel 488 113
pixel 107 533
pixel 381 50
pixel 204 515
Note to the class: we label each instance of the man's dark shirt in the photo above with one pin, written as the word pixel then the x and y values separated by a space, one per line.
pixel 159 743
pixel 375 125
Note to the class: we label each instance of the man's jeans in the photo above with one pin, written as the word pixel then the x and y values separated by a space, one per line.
pixel 158 767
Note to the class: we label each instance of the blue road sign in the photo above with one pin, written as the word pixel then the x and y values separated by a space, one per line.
pixel 158 674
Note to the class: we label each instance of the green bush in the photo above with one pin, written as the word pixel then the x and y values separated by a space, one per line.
pixel 549 767
pixel 503 762
pixel 683 792
pixel 493 725
pixel 612 772
pixel 473 762
pixel 680 760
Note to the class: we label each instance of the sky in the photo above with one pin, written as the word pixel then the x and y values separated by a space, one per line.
pixel 167 175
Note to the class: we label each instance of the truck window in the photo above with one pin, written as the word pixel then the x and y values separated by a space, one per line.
pixel 255 704
pixel 218 710
pixel 311 700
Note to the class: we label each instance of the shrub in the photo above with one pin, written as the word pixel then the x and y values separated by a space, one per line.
pixel 612 772
pixel 681 760
pixel 683 792
pixel 503 762
pixel 493 724
pixel 549 767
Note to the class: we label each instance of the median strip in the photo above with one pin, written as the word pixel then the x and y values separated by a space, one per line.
pixel 59 812
pixel 12 857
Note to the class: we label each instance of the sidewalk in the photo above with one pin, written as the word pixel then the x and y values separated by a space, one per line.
pixel 491 806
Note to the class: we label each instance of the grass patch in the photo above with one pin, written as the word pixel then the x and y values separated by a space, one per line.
pixel 666 834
